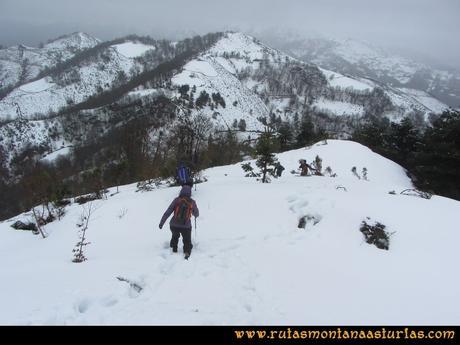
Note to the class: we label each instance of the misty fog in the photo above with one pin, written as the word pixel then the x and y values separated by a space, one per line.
pixel 425 28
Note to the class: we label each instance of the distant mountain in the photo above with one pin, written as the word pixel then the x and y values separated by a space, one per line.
pixel 362 59
pixel 19 64
pixel 237 57
pixel 232 79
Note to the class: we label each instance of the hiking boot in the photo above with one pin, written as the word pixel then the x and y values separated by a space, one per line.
pixel 174 249
pixel 186 255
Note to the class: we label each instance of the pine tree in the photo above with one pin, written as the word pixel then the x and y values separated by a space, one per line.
pixel 402 139
pixel 266 159
pixel 306 134
pixel 285 136
pixel 437 161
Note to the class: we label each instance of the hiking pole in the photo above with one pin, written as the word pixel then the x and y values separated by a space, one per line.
pixel 195 232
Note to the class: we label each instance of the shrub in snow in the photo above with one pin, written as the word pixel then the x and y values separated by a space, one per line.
pixel 61 203
pixel 308 219
pixel 18 225
pixel 59 207
pixel 353 170
pixel 317 165
pixel 148 185
pixel 328 171
pixel 392 192
pixel 364 173
pixel 87 198
pixel 375 234
pixel 79 255
pixel 199 178
pixel 414 192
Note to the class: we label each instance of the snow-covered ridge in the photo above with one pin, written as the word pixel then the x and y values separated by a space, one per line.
pixel 234 52
pixel 21 63
pixel 250 264
pixel 43 96
pixel 77 40
pixel 366 60
pixel 233 68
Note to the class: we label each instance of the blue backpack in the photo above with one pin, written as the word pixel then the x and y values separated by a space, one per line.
pixel 183 175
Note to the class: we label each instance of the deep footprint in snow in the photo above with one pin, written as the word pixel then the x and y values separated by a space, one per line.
pixel 83 306
pixel 134 286
pixel 248 308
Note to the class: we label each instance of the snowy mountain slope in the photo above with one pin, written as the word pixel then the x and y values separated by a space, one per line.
pixel 252 80
pixel 238 54
pixel 359 58
pixel 21 63
pixel 242 78
pixel 216 71
pixel 251 264
pixel 425 99
pixel 44 96
pixel 343 81
pixel 248 63
pixel 266 72
pixel 76 84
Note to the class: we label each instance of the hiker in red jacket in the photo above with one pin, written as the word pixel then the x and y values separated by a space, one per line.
pixel 183 207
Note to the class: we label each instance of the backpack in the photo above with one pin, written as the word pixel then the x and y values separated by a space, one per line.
pixel 183 211
pixel 183 175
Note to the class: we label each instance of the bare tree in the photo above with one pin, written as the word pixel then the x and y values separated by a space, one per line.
pixel 85 217
pixel 39 220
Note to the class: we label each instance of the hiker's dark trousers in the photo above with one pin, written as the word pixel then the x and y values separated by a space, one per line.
pixel 186 238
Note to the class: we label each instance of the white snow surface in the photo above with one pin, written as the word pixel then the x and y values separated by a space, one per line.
pixel 132 49
pixel 63 151
pixel 338 108
pixel 426 99
pixel 37 86
pixel 250 263
pixel 343 81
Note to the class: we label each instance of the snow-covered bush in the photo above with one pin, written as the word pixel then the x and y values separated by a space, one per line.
pixel 353 170
pixel 375 234
pixel 87 198
pixel 18 225
pixel 317 164
pixel 148 185
pixel 305 220
pixel 328 171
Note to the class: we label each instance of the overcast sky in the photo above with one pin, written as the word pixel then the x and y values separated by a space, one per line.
pixel 428 27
